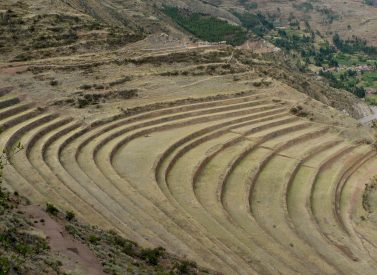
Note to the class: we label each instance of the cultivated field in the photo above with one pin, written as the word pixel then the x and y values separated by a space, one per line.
pixel 235 182
pixel 232 157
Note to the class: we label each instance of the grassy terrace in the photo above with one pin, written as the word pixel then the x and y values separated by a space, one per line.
pixel 220 180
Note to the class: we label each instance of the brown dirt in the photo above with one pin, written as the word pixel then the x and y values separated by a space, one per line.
pixel 79 258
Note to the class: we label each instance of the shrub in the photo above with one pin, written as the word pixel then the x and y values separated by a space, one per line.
pixel 71 229
pixel 85 86
pixel 94 239
pixel 152 256
pixel 5 265
pixel 298 111
pixel 185 267
pixel 51 209
pixel 69 215
pixel 120 81
pixel 54 82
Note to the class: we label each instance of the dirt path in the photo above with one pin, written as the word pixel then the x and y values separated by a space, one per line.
pixel 79 259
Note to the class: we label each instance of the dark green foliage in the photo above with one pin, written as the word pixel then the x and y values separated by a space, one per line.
pixel 51 209
pixel 257 23
pixel 294 41
pixel 370 2
pixel 347 81
pixel 54 82
pixel 69 215
pixel 298 111
pixel 207 28
pixel 354 45
pixel 128 247
pixel 185 267
pixel 94 239
pixel 71 229
pixel 118 254
pixel 119 36
pixel 152 256
pixel 5 265
pixel 305 45
pixel 370 188
pixel 22 243
pixel 326 57
pixel 46 41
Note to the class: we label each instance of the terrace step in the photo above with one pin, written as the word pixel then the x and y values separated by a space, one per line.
pixel 235 183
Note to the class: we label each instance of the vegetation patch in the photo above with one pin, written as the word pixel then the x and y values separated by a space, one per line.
pixel 257 23
pixel 21 251
pixel 328 15
pixel 299 111
pixel 249 5
pixel 304 7
pixel 346 80
pixel 370 196
pixel 372 99
pixel 206 27
pixel 82 100
pixel 118 254
pixel 370 3
pixel 354 45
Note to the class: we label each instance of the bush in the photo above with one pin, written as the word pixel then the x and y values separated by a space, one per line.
pixel 51 209
pixel 5 265
pixel 298 111
pixel 94 239
pixel 71 229
pixel 152 256
pixel 69 215
pixel 54 82
pixel 185 267
pixel 85 86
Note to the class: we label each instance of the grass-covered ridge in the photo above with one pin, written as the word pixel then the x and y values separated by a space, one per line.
pixel 206 27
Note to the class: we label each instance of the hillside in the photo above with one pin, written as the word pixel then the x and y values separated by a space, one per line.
pixel 36 239
pixel 326 17
pixel 176 135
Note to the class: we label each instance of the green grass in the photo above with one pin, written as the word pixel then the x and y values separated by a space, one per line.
pixel 372 99
pixel 346 59
pixel 354 59
pixel 370 79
